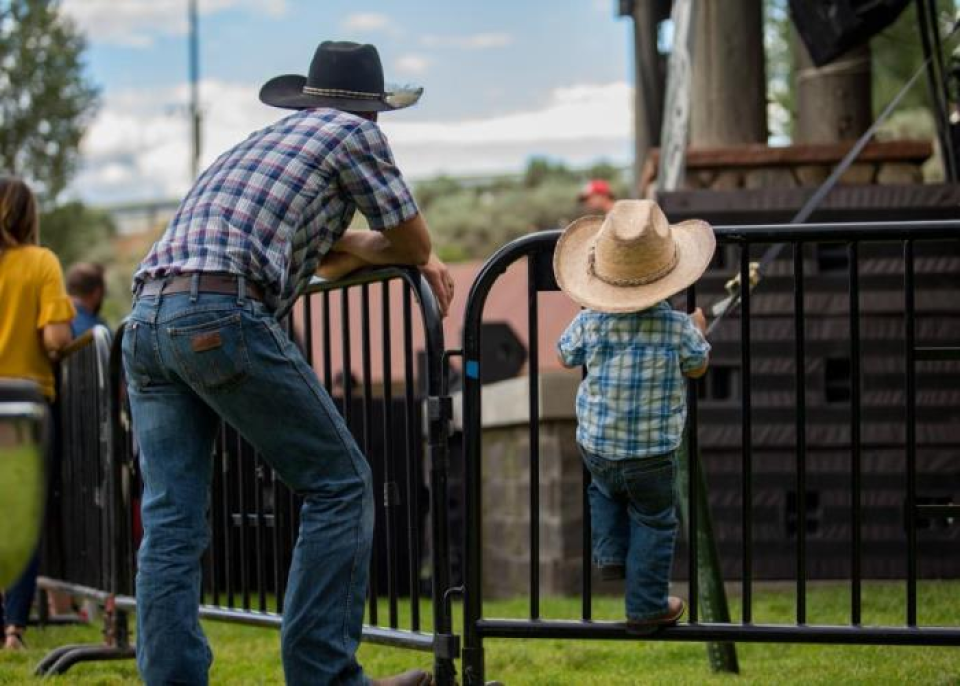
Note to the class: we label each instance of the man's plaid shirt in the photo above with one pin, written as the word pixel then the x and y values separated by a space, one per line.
pixel 272 207
pixel 632 402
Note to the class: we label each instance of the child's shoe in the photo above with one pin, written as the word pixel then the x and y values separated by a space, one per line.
pixel 643 627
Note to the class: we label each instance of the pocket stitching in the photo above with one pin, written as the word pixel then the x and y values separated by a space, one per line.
pixel 177 331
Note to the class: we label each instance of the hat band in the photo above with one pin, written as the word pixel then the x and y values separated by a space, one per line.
pixel 638 281
pixel 340 93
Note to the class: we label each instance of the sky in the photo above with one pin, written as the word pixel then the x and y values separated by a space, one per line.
pixel 504 80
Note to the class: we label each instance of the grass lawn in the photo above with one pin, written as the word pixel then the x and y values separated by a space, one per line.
pixel 247 655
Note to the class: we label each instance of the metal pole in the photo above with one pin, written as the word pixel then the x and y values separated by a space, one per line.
pixel 647 86
pixel 932 53
pixel 707 586
pixel 194 88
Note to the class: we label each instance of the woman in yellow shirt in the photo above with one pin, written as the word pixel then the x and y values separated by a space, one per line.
pixel 35 315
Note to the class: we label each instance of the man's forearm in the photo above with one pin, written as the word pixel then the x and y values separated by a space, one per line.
pixel 336 265
pixel 408 243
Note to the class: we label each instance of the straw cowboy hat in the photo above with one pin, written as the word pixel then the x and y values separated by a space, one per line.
pixel 632 258
pixel 343 75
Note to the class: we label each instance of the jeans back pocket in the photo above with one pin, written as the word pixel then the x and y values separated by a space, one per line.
pixel 212 353
pixel 139 354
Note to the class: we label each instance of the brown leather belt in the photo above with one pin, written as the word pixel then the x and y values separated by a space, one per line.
pixel 225 284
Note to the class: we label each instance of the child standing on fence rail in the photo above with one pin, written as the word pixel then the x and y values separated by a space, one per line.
pixel 631 405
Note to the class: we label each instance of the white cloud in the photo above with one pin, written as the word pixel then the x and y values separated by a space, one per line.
pixel 412 64
pixel 137 23
pixel 476 41
pixel 583 112
pixel 366 21
pixel 139 146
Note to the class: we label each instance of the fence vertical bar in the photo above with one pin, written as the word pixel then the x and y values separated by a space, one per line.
pixel 373 597
pixel 586 591
pixel 347 373
pixel 534 437
pixel 390 491
pixel 327 352
pixel 216 544
pixel 279 580
pixel 243 524
pixel 911 429
pixel 259 540
pixel 801 431
pixel 306 304
pixel 693 471
pixel 228 528
pixel 746 439
pixel 413 473
pixel 855 439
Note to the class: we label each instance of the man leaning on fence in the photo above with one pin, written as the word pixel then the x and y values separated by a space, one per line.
pixel 203 343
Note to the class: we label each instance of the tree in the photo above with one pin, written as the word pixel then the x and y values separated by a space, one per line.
pixel 77 232
pixel 46 101
pixel 895 55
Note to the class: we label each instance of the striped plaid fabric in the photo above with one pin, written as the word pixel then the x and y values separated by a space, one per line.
pixel 270 208
pixel 632 402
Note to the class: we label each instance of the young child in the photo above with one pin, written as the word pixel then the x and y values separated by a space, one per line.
pixel 631 405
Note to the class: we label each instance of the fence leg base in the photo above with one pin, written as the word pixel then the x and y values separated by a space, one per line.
pixel 62 659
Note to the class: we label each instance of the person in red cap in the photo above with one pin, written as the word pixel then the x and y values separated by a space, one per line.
pixel 596 196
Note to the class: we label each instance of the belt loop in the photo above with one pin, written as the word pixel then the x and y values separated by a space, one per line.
pixel 241 290
pixel 194 287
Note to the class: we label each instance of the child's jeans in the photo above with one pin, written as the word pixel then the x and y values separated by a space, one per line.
pixel 635 524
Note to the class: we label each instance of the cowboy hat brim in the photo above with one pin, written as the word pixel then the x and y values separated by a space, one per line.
pixel 695 247
pixel 287 92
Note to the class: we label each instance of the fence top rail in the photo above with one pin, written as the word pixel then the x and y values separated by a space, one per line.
pixel 99 335
pixel 410 275
pixel 838 232
pixel 429 309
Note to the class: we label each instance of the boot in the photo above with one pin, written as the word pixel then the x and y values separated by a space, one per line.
pixel 642 627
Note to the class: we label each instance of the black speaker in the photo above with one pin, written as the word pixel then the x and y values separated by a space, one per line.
pixel 502 353
pixel 831 27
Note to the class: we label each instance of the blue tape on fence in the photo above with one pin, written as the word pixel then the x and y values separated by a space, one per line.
pixel 473 369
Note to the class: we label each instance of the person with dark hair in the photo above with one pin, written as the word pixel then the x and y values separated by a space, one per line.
pixel 87 289
pixel 204 344
pixel 35 315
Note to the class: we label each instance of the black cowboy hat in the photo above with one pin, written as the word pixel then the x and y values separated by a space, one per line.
pixel 344 75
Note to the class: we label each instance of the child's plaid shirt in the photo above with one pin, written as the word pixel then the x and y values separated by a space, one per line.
pixel 632 402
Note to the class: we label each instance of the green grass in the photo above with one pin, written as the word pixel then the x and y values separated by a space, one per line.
pixel 246 655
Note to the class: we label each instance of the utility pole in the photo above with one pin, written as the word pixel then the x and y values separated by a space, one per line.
pixel 194 89
pixel 648 82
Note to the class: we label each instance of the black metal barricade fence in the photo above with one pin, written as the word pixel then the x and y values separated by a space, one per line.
pixel 362 336
pixel 863 427
pixel 399 419
pixel 83 555
pixel 400 416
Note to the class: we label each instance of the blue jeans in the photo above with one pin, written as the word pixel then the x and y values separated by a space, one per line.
pixel 633 511
pixel 190 360
pixel 15 609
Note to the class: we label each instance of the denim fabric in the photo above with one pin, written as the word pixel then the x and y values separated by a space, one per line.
pixel 18 598
pixel 191 359
pixel 633 511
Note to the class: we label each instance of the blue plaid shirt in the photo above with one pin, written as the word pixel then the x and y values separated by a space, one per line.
pixel 632 402
pixel 270 208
